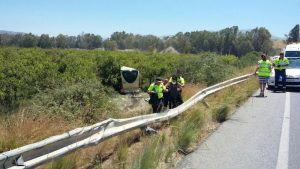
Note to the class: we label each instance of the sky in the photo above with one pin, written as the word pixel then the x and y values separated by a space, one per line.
pixel 156 17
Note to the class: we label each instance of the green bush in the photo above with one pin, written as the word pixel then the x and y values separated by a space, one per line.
pixel 85 99
pixel 248 60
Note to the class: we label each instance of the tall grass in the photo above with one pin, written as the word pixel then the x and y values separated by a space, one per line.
pixel 68 162
pixel 220 114
pixel 188 129
pixel 122 154
pixel 150 155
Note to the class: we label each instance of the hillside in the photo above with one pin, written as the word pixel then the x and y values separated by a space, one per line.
pixel 278 44
pixel 10 32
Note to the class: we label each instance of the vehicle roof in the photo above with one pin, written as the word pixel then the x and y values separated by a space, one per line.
pixel 293 47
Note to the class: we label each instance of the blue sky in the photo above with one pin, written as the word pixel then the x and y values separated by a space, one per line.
pixel 157 17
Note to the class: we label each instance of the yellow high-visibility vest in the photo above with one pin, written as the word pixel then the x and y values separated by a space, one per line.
pixel 264 68
pixel 179 79
pixel 158 89
pixel 281 63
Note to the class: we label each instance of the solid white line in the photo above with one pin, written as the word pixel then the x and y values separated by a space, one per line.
pixel 283 153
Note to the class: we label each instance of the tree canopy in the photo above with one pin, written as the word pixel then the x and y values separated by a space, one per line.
pixel 293 36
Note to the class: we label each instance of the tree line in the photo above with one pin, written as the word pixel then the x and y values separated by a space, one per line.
pixel 226 41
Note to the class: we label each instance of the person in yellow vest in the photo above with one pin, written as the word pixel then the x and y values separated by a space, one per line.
pixel 264 71
pixel 175 98
pixel 280 65
pixel 155 91
pixel 180 80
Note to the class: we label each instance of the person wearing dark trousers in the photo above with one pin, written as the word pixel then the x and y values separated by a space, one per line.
pixel 180 80
pixel 174 94
pixel 155 91
pixel 165 93
pixel 280 65
pixel 175 89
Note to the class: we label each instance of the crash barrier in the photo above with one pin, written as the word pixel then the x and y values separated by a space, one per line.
pixel 35 154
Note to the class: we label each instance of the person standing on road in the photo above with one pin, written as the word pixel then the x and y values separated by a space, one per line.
pixel 280 65
pixel 263 70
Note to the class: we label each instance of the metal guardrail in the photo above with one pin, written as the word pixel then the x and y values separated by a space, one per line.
pixel 35 154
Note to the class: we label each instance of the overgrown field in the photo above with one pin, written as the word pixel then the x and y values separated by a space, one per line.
pixel 49 91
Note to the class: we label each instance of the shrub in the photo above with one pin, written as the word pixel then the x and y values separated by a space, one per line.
pixel 220 114
pixel 85 99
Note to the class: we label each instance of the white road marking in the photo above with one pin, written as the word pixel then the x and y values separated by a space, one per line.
pixel 283 153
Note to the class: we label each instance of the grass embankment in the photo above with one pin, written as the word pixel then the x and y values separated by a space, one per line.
pixel 174 139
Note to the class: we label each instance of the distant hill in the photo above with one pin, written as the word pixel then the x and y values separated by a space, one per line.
pixel 278 44
pixel 170 49
pixel 277 38
pixel 10 32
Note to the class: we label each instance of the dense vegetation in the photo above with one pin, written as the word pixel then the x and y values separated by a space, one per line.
pixel 76 83
pixel 227 41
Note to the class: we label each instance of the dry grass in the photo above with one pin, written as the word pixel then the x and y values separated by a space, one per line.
pixel 18 130
pixel 190 89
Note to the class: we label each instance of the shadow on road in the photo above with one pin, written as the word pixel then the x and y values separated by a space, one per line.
pixel 294 89
pixel 258 96
pixel 289 89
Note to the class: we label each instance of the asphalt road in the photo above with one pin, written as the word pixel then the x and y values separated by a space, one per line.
pixel 262 134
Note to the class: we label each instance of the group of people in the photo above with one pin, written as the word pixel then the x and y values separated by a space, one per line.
pixel 264 68
pixel 166 93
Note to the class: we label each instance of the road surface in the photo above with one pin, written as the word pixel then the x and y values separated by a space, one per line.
pixel 262 134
